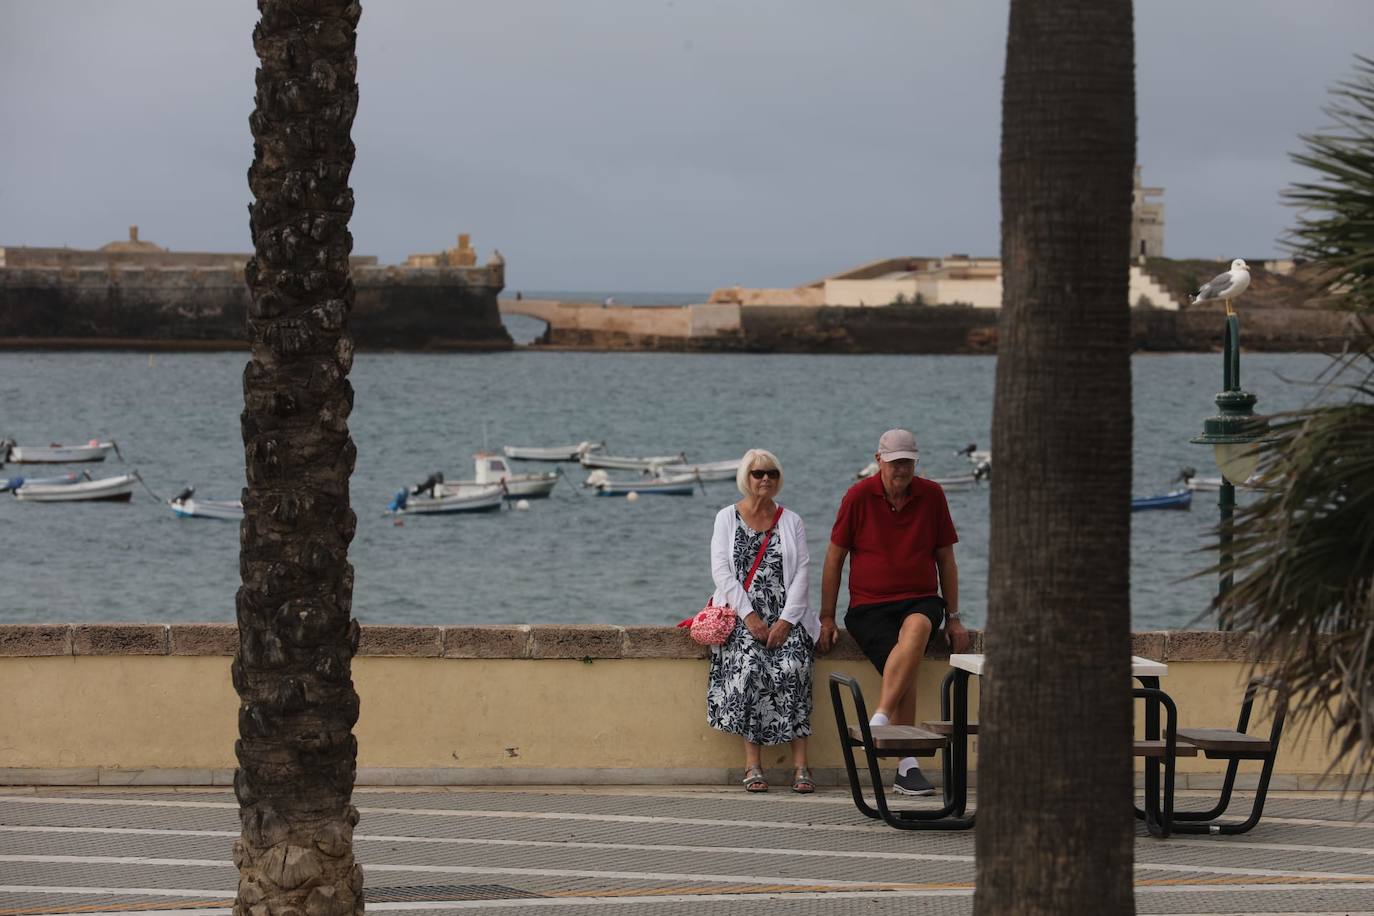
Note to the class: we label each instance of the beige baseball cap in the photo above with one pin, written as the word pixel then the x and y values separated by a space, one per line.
pixel 896 444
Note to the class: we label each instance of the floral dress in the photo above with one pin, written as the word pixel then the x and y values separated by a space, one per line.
pixel 761 694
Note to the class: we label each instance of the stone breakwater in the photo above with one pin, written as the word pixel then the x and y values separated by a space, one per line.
pixel 722 327
pixel 395 308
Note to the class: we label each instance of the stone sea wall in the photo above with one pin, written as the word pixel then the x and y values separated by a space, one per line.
pixel 904 329
pixel 206 308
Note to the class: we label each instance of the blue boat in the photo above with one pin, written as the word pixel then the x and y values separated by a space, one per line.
pixel 14 483
pixel 1179 499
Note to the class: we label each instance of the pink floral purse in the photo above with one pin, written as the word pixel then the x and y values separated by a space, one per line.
pixel 714 623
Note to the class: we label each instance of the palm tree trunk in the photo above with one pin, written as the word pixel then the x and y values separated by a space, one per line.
pixel 1055 831
pixel 293 670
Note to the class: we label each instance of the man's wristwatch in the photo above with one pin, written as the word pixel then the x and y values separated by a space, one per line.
pixel 953 615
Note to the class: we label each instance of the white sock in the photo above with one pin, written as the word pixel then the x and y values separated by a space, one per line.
pixel 906 765
pixel 879 718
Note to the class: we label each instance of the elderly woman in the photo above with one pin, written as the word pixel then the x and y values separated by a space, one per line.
pixel 760 682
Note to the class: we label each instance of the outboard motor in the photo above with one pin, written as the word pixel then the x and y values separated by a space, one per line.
pixel 982 471
pixel 968 449
pixel 428 486
pixel 1186 473
pixel 5 446
pixel 184 495
pixel 398 502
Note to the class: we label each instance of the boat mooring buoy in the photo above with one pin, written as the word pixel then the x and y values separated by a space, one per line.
pixel 631 497
pixel 522 505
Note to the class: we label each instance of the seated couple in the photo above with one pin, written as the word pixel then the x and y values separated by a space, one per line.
pixel 896 532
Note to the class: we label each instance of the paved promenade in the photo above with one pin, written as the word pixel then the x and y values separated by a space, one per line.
pixel 653 851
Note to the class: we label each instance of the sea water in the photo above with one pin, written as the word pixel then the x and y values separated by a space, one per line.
pixel 576 557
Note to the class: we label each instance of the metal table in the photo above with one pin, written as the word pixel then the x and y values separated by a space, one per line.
pixel 954 701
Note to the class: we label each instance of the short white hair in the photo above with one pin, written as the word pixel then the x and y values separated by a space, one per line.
pixel 762 457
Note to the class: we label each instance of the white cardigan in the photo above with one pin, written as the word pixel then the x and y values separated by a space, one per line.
pixel 796 569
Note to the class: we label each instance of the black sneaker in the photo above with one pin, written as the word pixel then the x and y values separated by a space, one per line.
pixel 913 782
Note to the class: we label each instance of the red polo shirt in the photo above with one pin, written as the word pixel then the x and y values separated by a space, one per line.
pixel 891 553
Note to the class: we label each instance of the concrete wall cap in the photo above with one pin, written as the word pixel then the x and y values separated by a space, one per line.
pixel 1206 645
pixel 120 639
pixel 495 641
pixel 402 641
pixel 519 641
pixel 584 640
pixel 660 642
pixel 35 639
pixel 204 639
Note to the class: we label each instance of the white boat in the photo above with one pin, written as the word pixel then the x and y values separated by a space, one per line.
pixel 622 463
pixel 110 489
pixel 491 469
pixel 980 475
pixel 662 486
pixel 185 505
pixel 61 480
pixel 1197 484
pixel 958 484
pixel 707 470
pixel 551 453
pixel 439 502
pixel 975 457
pixel 55 454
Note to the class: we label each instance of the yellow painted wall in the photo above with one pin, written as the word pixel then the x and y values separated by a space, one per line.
pixel 147 712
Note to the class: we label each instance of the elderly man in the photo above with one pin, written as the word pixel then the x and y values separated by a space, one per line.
pixel 903 582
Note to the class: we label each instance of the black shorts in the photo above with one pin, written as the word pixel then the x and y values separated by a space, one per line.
pixel 875 627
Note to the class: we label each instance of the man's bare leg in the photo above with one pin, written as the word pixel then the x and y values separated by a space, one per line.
pixel 898 699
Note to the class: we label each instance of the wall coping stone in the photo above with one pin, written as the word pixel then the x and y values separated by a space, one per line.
pixel 514 641
pixel 121 639
pixel 34 639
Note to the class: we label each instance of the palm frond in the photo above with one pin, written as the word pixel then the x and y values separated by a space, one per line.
pixel 1302 553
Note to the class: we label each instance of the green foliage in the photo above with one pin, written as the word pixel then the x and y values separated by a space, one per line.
pixel 1304 559
pixel 1336 218
pixel 1303 551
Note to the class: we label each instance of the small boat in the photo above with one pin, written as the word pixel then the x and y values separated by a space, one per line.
pixel 1188 477
pixel 662 486
pixel 433 498
pixel 95 450
pixel 1179 499
pixel 975 457
pixel 61 480
pixel 492 469
pixel 107 489
pixel 959 484
pixel 707 470
pixel 981 474
pixel 185 505
pixel 622 463
pixel 551 453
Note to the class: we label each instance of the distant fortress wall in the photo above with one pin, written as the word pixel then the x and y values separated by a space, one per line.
pixel 394 308
pixel 135 294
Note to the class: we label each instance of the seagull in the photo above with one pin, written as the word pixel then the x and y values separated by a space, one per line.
pixel 1226 286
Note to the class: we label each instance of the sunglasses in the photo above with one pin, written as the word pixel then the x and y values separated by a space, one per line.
pixel 759 473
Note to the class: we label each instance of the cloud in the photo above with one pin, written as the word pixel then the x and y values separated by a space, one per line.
pixel 649 145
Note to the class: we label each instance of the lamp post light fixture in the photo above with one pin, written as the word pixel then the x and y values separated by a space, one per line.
pixel 1233 434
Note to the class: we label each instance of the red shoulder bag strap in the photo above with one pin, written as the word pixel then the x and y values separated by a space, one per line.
pixel 762 547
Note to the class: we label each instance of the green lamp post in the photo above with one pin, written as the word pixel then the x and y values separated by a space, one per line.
pixel 1233 434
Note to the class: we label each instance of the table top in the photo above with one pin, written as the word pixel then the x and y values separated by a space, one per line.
pixel 1140 667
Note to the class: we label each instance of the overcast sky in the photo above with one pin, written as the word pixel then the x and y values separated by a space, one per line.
pixel 673 145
